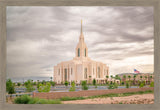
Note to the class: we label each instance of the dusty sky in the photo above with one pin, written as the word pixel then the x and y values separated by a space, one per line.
pixel 40 37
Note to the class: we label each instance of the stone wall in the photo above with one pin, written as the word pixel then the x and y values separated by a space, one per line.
pixel 56 95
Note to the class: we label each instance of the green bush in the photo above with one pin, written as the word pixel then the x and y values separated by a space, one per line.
pixel 66 83
pixel 52 83
pixel 127 85
pixel 25 99
pixel 113 86
pixel 71 98
pixel 44 87
pixel 29 85
pixel 141 85
pixel 73 88
pixel 10 87
pixel 152 84
pixel 84 85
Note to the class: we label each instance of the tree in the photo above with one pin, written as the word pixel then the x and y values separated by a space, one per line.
pixel 134 78
pixel 127 84
pixel 146 79
pixel 52 83
pixel 18 84
pixel 44 87
pixel 94 83
pixel 73 88
pixel 124 78
pixel 51 78
pixel 84 85
pixel 66 83
pixel 29 85
pixel 107 79
pixel 141 77
pixel 152 84
pixel 129 77
pixel 10 87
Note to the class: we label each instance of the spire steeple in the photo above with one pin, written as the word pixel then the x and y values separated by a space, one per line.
pixel 81 26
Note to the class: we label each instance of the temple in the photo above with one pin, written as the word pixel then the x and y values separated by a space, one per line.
pixel 81 67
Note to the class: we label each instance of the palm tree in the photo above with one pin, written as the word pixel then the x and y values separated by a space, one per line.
pixel 141 77
pixel 150 79
pixel 51 78
pixel 111 78
pixel 129 77
pixel 134 78
pixel 124 78
pixel 146 79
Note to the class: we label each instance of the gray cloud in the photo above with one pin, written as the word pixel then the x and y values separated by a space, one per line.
pixel 40 37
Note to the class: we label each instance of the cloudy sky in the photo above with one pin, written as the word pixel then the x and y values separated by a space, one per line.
pixel 40 37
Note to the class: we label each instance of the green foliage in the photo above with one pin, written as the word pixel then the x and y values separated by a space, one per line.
pixel 141 85
pixel 113 86
pixel 66 83
pixel 44 87
pixel 10 87
pixel 127 84
pixel 18 84
pixel 84 85
pixel 122 83
pixel 71 98
pixel 25 99
pixel 43 82
pixel 29 85
pixel 73 88
pixel 152 84
pixel 94 82
pixel 52 83
pixel 34 83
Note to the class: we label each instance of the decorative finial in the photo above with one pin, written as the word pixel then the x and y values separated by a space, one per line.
pixel 81 25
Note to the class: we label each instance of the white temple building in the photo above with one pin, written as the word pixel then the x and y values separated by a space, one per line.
pixel 81 67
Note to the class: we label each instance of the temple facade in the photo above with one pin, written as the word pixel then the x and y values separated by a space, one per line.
pixel 81 67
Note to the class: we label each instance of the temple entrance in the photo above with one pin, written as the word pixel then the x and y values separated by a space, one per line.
pixel 65 77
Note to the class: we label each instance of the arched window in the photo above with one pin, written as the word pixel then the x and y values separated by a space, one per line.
pixel 78 52
pixel 85 52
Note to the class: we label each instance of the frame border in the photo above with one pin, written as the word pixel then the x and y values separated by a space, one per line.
pixel 153 3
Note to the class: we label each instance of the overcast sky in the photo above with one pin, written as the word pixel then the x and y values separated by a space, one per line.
pixel 40 37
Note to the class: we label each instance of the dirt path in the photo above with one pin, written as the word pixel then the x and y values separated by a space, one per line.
pixel 134 99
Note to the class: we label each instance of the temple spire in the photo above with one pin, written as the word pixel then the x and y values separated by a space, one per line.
pixel 81 26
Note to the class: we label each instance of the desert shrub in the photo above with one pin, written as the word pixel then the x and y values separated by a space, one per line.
pixel 152 84
pixel 84 85
pixel 73 88
pixel 25 99
pixel 22 100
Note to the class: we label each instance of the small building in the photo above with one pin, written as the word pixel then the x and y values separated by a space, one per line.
pixel 81 67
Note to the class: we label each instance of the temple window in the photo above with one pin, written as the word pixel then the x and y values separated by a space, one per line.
pixel 98 72
pixel 78 52
pixel 71 71
pixel 85 73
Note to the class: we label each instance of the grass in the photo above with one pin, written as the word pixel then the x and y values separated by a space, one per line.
pixel 106 95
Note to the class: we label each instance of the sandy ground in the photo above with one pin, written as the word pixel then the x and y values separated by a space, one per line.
pixel 134 99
